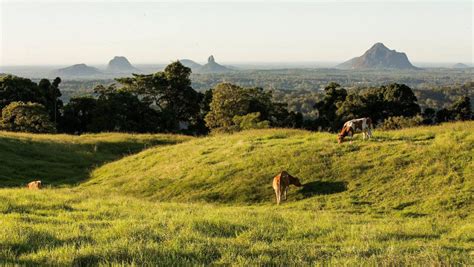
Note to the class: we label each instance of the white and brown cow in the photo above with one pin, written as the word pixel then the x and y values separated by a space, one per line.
pixel 363 125
pixel 35 185
pixel 281 183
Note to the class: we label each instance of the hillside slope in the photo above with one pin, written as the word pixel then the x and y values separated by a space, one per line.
pixel 404 198
pixel 422 169
pixel 66 159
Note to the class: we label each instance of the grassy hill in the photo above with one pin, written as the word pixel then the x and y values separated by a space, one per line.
pixel 66 159
pixel 403 198
pixel 426 168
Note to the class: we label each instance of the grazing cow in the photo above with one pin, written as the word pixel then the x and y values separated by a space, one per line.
pixel 351 127
pixel 35 185
pixel 281 183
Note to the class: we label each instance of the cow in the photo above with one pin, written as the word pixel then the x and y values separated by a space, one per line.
pixel 351 127
pixel 35 185
pixel 281 183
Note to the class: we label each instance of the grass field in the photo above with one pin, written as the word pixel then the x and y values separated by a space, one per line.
pixel 403 198
pixel 66 159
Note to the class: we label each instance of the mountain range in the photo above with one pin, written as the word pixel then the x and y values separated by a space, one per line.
pixel 121 65
pixel 117 65
pixel 378 57
pixel 210 67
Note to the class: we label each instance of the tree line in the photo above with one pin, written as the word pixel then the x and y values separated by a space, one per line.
pixel 166 102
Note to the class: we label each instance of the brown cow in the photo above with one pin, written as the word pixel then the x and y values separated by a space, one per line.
pixel 281 183
pixel 35 185
pixel 363 125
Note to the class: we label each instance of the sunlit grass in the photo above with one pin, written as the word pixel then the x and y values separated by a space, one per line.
pixel 60 160
pixel 403 198
pixel 424 169
pixel 64 227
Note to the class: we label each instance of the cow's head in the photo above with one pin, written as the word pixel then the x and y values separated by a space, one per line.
pixel 340 138
pixel 295 181
pixel 38 184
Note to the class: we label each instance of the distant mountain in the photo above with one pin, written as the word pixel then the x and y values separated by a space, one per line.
pixel 212 67
pixel 78 70
pixel 460 66
pixel 378 57
pixel 190 64
pixel 120 65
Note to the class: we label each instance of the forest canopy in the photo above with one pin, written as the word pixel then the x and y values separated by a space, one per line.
pixel 166 101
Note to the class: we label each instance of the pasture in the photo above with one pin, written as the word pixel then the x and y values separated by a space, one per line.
pixel 403 198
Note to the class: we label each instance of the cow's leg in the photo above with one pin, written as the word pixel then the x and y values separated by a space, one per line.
pixel 285 192
pixel 278 196
pixel 369 133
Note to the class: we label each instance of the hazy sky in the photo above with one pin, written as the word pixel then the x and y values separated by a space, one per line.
pixel 49 33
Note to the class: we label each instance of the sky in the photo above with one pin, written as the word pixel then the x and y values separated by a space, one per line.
pixel 92 32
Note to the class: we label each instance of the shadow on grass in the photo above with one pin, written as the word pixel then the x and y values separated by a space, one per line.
pixel 417 138
pixel 322 188
pixel 61 163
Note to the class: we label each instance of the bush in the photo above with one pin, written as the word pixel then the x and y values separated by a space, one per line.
pixel 399 122
pixel 250 121
pixel 26 117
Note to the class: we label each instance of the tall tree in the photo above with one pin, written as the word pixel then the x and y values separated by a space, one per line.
pixel 169 91
pixel 77 115
pixel 327 107
pixel 229 100
pixel 13 89
pixel 51 94
pixel 461 109
pixel 380 103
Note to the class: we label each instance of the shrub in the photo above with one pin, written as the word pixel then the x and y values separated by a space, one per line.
pixel 26 117
pixel 250 121
pixel 399 122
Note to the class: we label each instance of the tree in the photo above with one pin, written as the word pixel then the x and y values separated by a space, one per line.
pixel 78 115
pixel 113 110
pixel 399 100
pixel 230 100
pixel 169 92
pixel 51 94
pixel 118 110
pixel 13 89
pixel 334 96
pixel 393 100
pixel 26 117
pixel 281 117
pixel 443 115
pixel 461 109
pixel 199 126
pixel 429 116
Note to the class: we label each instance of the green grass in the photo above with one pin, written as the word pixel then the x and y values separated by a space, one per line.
pixel 73 227
pixel 422 169
pixel 66 159
pixel 403 198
